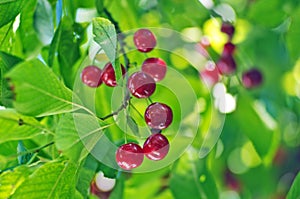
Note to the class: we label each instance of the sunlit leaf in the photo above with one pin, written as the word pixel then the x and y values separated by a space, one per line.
pixel 38 91
pixel 52 180
pixel 11 180
pixel 15 126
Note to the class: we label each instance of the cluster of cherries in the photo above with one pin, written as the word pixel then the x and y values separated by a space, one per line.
pixel 226 64
pixel 141 84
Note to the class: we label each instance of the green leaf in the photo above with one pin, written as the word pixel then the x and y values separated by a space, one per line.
pixel 43 21
pixel 190 178
pixel 6 32
pixel 28 36
pixel 86 175
pixel 11 180
pixel 52 180
pixel 17 127
pixel 65 47
pixel 77 134
pixel 8 151
pixel 7 61
pixel 133 125
pixel 105 35
pixel 9 10
pixel 67 139
pixel 294 192
pixel 38 91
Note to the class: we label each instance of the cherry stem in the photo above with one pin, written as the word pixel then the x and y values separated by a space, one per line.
pixel 122 43
pixel 123 106
pixel 150 100
pixel 139 115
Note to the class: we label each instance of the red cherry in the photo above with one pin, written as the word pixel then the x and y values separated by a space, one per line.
pixel 129 156
pixel 156 147
pixel 144 40
pixel 228 29
pixel 158 116
pixel 141 85
pixel 108 75
pixel 91 76
pixel 226 65
pixel 155 67
pixel 252 78
pixel 228 49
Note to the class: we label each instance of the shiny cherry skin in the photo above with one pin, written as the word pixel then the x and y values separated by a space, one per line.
pixel 156 147
pixel 91 76
pixel 108 76
pixel 158 116
pixel 252 78
pixel 144 40
pixel 155 67
pixel 129 156
pixel 141 85
pixel 226 65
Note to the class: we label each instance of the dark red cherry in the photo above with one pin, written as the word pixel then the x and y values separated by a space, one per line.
pixel 108 76
pixel 129 156
pixel 252 78
pixel 91 76
pixel 158 116
pixel 141 85
pixel 144 40
pixel 156 147
pixel 226 65
pixel 228 49
pixel 155 67
pixel 228 29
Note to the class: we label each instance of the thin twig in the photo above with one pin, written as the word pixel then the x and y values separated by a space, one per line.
pixel 123 106
pixel 35 150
